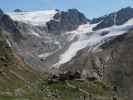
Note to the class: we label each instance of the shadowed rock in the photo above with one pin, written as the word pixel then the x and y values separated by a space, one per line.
pixel 66 21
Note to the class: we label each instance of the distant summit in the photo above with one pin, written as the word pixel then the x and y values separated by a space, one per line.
pixel 18 10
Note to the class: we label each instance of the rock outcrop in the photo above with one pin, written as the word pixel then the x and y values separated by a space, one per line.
pixel 7 24
pixel 66 21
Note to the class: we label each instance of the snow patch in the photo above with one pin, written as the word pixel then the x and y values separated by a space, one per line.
pixel 45 55
pixel 8 42
pixel 34 33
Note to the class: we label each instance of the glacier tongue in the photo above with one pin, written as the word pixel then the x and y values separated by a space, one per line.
pixel 38 18
pixel 89 38
pixel 81 43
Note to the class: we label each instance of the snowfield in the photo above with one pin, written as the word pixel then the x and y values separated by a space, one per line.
pixel 33 17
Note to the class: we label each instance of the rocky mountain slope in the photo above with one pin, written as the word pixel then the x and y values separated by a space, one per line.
pixel 14 72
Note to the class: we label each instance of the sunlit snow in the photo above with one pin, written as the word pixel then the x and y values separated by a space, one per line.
pixel 33 17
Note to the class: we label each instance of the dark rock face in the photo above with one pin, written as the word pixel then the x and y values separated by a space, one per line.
pixel 6 23
pixel 1 12
pixel 124 15
pixel 66 21
pixel 118 69
pixel 65 76
pixel 121 16
pixel 105 22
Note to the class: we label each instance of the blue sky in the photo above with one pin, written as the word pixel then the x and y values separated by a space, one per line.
pixel 91 8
